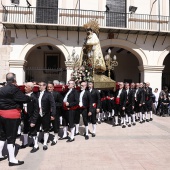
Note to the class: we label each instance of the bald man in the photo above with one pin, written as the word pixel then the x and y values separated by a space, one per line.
pixel 30 114
pixel 11 99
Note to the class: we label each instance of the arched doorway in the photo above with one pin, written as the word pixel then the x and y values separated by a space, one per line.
pixel 127 69
pixel 166 72
pixel 45 63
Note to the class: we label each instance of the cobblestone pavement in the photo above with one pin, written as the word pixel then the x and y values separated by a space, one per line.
pixel 141 147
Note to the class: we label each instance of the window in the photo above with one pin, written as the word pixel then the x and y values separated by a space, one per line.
pixel 15 2
pixel 52 61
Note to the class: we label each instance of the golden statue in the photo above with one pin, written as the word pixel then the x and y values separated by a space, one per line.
pixel 91 57
pixel 91 51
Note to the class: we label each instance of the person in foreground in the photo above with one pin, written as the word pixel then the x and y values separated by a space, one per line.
pixel 11 100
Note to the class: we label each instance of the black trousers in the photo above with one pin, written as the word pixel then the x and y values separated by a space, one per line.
pixel 69 118
pixel 119 111
pixel 128 110
pixel 8 129
pixel 149 105
pixel 44 121
pixel 31 131
pixel 55 124
pixel 84 113
pixel 138 108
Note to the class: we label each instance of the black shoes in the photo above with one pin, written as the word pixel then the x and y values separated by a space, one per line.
pixel 93 135
pixel 124 126
pixel 134 124
pixel 77 134
pixel 147 120
pixel 53 143
pixel 15 164
pixel 63 138
pixel 45 147
pixel 5 157
pixel 129 125
pixel 151 119
pixel 70 140
pixel 23 146
pixel 86 137
pixel 34 150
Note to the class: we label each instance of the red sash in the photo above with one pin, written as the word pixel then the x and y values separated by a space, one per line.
pixel 69 108
pixel 11 114
pixel 117 100
pixel 108 97
pixel 102 99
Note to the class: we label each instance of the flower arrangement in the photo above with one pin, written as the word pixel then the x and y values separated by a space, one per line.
pixel 83 73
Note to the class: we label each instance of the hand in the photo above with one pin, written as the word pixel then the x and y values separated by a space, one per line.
pixel 123 108
pixel 67 104
pixel 140 104
pixel 52 118
pixel 97 110
pixel 132 107
pixel 89 114
pixel 32 124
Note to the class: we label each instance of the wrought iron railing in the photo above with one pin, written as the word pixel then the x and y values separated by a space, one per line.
pixel 45 74
pixel 75 17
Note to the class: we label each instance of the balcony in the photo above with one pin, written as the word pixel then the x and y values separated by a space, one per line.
pixel 16 17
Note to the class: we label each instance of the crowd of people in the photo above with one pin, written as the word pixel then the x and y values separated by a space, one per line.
pixel 47 110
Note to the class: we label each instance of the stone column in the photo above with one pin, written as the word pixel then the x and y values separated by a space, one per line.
pixel 152 74
pixel 69 68
pixel 18 67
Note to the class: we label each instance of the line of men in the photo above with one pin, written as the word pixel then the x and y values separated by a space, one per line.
pixel 128 104
pixel 47 106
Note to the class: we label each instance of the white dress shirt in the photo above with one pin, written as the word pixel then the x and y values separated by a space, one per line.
pixel 81 98
pixel 66 96
pixel 119 93
pixel 39 101
pixel 25 104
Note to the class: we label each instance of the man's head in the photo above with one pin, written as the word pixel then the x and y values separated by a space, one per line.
pixel 137 85
pixel 141 85
pixel 29 87
pixel 10 78
pixel 71 84
pixel 121 85
pixel 83 85
pixel 89 31
pixel 132 85
pixel 126 86
pixel 147 84
pixel 56 82
pixel 42 86
pixel 156 90
pixel 50 87
pixel 90 85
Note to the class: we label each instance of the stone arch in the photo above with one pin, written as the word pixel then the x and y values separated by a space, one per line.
pixel 133 48
pixel 163 56
pixel 42 41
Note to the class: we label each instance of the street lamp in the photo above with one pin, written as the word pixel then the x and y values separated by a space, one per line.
pixel 111 62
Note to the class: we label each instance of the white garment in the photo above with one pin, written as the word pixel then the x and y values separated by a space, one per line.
pixel 25 104
pixel 119 93
pixel 90 90
pixel 39 101
pixel 66 96
pixel 156 96
pixel 136 92
pixel 81 98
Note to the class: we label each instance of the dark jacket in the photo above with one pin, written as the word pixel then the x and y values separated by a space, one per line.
pixel 33 109
pixel 95 98
pixel 11 97
pixel 140 96
pixel 86 99
pixel 130 97
pixel 48 104
pixel 123 97
pixel 73 98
